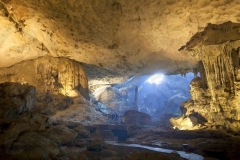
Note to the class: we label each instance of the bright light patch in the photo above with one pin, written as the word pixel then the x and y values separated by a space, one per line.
pixel 157 79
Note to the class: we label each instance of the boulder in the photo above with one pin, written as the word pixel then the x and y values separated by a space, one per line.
pixel 182 123
pixel 62 134
pixel 111 97
pixel 132 116
pixel 79 113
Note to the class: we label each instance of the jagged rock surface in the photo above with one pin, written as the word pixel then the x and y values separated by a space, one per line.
pixel 16 99
pixel 31 130
pixel 49 74
pixel 215 96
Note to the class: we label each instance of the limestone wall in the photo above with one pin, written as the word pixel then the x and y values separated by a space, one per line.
pixel 48 74
pixel 215 96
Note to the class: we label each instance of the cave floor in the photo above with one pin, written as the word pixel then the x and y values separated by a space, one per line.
pixel 211 144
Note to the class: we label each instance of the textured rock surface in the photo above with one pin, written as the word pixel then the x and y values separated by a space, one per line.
pixel 15 99
pixel 61 134
pixel 123 36
pixel 48 74
pixel 215 96
pixel 41 123
pixel 111 97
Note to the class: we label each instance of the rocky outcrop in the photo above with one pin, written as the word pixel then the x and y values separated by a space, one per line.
pixel 132 117
pixel 16 99
pixel 49 74
pixel 61 134
pixel 215 95
pixel 81 111
pixel 41 124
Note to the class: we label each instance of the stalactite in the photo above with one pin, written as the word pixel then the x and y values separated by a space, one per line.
pixel 219 63
pixel 202 74
pixel 45 69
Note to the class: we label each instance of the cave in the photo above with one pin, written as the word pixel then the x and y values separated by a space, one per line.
pixel 119 79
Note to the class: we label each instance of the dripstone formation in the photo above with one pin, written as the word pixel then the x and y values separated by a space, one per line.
pixel 49 74
pixel 215 95
pixel 44 104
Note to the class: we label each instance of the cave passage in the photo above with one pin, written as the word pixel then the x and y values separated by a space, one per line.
pixel 157 95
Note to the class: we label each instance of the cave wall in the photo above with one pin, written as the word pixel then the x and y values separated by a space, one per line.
pixel 49 74
pixel 215 96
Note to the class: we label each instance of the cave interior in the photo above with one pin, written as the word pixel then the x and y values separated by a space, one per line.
pixel 119 79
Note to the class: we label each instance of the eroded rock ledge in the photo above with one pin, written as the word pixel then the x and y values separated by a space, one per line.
pixel 215 96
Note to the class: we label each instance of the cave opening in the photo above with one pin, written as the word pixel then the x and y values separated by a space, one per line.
pixel 157 95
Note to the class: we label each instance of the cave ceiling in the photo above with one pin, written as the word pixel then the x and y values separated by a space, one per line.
pixel 126 37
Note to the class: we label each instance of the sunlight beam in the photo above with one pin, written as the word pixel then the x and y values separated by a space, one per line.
pixel 155 79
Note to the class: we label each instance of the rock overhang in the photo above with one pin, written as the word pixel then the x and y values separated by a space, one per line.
pixel 125 37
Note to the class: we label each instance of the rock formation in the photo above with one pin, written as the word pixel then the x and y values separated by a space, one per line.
pixel 136 117
pixel 49 74
pixel 215 95
pixel 112 98
pixel 45 47
pixel 16 99
pixel 126 37
pixel 43 104
pixel 34 126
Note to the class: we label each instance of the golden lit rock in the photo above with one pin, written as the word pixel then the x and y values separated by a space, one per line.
pixel 182 123
pixel 48 74
pixel 215 96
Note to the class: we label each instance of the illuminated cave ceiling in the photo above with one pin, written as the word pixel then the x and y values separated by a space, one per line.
pixel 127 37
